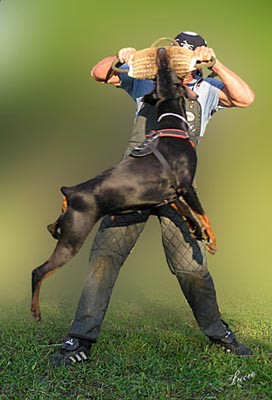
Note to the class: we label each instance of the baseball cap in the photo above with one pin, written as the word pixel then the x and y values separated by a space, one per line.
pixel 190 40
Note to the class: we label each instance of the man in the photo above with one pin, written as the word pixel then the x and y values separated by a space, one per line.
pixel 117 235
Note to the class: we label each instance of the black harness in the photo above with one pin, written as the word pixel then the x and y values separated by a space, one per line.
pixel 150 146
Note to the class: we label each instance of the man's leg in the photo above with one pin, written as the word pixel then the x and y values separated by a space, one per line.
pixel 187 260
pixel 113 242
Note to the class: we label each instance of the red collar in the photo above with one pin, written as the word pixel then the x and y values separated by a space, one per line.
pixel 177 133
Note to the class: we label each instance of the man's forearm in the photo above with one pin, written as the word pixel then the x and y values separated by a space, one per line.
pixel 237 91
pixel 102 71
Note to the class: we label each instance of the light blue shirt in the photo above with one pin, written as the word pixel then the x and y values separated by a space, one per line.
pixel 207 90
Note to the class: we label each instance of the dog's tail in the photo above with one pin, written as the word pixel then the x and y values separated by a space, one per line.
pixel 66 191
pixel 74 198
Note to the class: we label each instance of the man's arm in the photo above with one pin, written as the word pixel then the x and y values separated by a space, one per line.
pixel 102 71
pixel 236 92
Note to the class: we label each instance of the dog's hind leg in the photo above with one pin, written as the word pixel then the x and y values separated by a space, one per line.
pixel 189 195
pixel 74 228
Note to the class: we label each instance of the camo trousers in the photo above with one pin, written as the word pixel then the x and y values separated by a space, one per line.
pixel 116 237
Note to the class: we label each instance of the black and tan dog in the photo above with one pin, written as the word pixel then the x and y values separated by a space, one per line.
pixel 159 171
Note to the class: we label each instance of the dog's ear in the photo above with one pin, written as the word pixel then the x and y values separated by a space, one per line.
pixel 189 93
pixel 151 98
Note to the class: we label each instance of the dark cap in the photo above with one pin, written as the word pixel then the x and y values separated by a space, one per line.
pixel 190 40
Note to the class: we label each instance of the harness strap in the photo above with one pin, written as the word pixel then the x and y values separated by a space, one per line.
pixel 176 133
pixel 177 136
pixel 165 164
pixel 169 114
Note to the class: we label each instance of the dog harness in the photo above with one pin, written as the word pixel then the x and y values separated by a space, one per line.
pixel 149 146
pixel 152 140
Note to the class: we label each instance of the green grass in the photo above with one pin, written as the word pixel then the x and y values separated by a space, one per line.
pixel 145 351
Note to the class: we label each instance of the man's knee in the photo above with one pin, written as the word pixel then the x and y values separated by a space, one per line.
pixel 184 262
pixel 200 277
pixel 100 263
pixel 103 271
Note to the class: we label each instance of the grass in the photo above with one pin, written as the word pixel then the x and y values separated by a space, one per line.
pixel 145 351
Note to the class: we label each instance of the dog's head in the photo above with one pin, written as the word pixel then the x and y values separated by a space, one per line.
pixel 168 85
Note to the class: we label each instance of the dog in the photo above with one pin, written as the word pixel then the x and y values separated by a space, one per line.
pixel 159 171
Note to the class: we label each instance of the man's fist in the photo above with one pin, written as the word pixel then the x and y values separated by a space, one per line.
pixel 204 53
pixel 125 55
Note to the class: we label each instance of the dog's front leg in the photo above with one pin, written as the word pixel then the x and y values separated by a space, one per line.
pixel 190 196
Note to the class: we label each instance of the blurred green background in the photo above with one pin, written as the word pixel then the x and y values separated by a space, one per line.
pixel 60 127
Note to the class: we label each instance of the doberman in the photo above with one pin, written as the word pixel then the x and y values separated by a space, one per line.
pixel 159 171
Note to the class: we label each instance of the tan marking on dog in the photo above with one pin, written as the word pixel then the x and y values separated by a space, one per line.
pixel 64 204
pixel 208 233
pixel 35 306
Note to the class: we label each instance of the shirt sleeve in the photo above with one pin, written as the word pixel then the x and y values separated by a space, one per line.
pixel 126 81
pixel 136 88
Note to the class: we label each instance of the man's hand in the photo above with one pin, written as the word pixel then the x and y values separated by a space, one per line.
pixel 236 92
pixel 204 53
pixel 125 55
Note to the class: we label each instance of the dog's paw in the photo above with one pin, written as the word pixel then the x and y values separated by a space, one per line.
pixel 36 314
pixel 211 247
